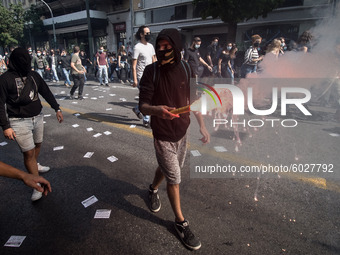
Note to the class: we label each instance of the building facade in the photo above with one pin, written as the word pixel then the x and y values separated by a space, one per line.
pixel 114 22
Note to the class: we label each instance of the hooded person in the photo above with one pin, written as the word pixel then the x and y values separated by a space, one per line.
pixel 165 86
pixel 19 100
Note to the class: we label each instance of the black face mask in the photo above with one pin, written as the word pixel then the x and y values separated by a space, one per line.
pixel 147 37
pixel 165 55
pixel 256 44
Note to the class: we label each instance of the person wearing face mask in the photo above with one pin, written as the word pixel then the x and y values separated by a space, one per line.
pixel 65 63
pixel 251 57
pixel 193 57
pixel 39 64
pixel 103 66
pixel 165 85
pixel 143 55
pixel 213 54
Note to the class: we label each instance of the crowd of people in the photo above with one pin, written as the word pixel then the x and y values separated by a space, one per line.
pixel 162 75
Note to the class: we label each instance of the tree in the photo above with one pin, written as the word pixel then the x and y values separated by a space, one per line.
pixel 33 14
pixel 11 24
pixel 235 11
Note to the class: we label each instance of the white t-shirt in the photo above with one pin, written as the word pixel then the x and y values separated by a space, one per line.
pixel 143 53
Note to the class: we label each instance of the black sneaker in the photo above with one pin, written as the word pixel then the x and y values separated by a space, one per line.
pixel 187 237
pixel 80 98
pixel 155 203
pixel 71 97
pixel 106 84
pixel 137 112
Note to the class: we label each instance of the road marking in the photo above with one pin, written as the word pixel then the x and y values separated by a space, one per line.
pixel 321 183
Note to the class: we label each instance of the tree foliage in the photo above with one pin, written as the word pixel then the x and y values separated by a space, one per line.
pixel 11 24
pixel 235 11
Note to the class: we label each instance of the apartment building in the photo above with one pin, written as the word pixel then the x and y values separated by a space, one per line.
pixel 114 22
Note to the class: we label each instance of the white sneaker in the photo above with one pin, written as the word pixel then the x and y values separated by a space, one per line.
pixel 36 195
pixel 43 169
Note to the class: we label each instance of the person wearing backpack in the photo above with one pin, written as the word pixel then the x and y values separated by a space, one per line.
pixel 19 100
pixel 165 85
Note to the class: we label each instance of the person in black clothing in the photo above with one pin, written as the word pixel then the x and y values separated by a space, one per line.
pixel 123 64
pixel 65 62
pixel 19 100
pixel 213 53
pixel 84 61
pixel 193 57
pixel 158 96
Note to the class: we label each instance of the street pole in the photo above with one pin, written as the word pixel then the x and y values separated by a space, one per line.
pixel 54 36
pixel 89 31
pixel 132 22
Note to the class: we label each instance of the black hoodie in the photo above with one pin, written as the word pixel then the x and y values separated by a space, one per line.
pixel 171 88
pixel 13 84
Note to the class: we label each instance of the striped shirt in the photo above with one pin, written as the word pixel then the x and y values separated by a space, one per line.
pixel 250 56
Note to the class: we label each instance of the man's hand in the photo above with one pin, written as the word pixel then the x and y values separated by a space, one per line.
pixel 32 180
pixel 206 136
pixel 9 134
pixel 134 84
pixel 163 111
pixel 60 116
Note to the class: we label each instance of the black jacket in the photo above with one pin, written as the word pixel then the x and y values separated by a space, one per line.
pixel 65 62
pixel 12 85
pixel 171 88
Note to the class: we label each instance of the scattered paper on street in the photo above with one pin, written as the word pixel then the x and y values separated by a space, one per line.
pixel 132 126
pixel 88 154
pixel 3 143
pixel 94 98
pixel 334 134
pixel 90 201
pixel 89 129
pixel 58 148
pixel 122 99
pixel 108 109
pixel 102 214
pixel 15 241
pixel 76 114
pixel 47 115
pixel 112 95
pixel 195 153
pixel 107 133
pixel 112 158
pixel 220 149
pixel 75 125
pixel 97 135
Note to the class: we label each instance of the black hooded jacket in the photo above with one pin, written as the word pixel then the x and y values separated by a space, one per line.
pixel 171 87
pixel 15 82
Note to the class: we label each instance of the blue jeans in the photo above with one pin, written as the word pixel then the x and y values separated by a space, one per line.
pixel 54 72
pixel 106 76
pixel 245 69
pixel 41 72
pixel 67 76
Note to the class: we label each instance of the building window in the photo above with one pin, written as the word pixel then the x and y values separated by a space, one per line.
pixel 160 15
pixel 290 3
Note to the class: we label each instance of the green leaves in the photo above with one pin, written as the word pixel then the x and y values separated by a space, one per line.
pixel 11 24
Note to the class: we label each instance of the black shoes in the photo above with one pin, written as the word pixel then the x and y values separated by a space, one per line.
pixel 154 202
pixel 187 237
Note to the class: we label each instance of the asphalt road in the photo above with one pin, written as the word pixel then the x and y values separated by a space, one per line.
pixel 261 214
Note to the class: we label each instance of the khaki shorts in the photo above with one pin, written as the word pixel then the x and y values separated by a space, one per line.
pixel 170 157
pixel 28 131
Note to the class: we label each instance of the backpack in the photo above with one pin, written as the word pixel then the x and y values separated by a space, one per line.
pixel 27 90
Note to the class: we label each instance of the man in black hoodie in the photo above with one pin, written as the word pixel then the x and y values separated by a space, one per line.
pixel 19 91
pixel 161 92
